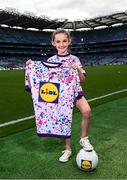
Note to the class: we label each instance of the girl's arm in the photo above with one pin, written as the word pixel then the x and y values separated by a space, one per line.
pixel 79 69
pixel 81 75
pixel 28 61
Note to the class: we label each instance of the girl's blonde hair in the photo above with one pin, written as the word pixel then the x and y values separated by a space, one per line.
pixel 63 31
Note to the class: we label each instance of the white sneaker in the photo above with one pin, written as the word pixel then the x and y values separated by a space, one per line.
pixel 85 143
pixel 65 157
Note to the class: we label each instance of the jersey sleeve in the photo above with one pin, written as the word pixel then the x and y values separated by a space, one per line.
pixel 27 78
pixel 78 89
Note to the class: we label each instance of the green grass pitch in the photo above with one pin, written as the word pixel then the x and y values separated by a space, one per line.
pixel 26 156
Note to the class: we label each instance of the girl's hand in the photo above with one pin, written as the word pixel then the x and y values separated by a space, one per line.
pixel 74 66
pixel 28 62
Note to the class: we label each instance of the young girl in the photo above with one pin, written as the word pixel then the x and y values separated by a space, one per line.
pixel 61 40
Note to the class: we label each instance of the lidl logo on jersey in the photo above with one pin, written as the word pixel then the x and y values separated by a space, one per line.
pixel 49 92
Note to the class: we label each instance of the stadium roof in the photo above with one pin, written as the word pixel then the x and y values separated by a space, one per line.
pixel 13 18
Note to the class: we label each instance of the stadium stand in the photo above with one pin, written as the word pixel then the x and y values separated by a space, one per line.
pixel 11 35
pixel 94 46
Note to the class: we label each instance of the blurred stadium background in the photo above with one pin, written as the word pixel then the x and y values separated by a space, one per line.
pixel 100 43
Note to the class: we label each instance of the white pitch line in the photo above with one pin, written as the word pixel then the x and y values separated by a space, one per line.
pixel 106 95
pixel 89 100
pixel 16 121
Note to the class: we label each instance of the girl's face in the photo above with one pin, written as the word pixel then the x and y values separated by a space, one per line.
pixel 61 43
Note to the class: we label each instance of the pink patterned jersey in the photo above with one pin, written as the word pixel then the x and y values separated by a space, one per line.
pixel 54 88
pixel 68 59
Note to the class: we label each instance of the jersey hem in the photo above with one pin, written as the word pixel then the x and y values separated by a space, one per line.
pixel 53 135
